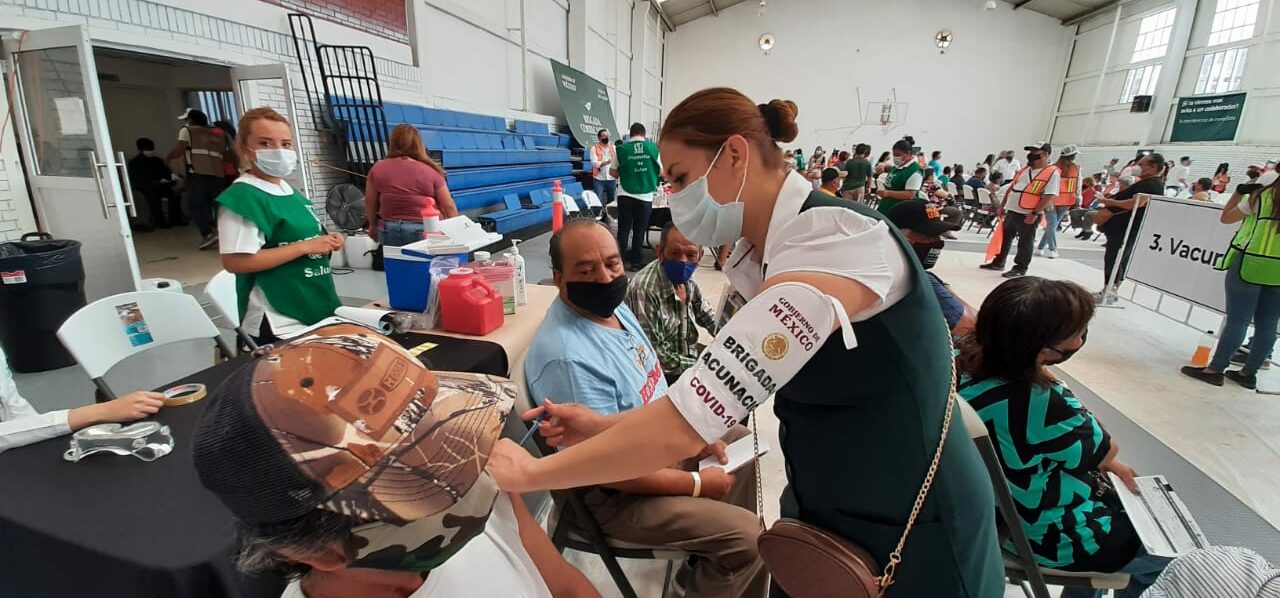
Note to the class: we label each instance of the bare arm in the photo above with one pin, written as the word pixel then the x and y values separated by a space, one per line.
pixel 178 151
pixel 444 201
pixel 561 578
pixel 1231 213
pixel 266 259
pixel 133 406
pixel 371 208
pixel 665 482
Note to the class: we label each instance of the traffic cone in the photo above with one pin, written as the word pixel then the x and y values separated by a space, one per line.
pixel 997 237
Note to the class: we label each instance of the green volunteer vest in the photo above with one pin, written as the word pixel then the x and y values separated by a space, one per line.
pixel 301 289
pixel 1257 243
pixel 858 431
pixel 897 181
pixel 638 166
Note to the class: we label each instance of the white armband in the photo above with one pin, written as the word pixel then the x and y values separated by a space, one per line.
pixel 759 350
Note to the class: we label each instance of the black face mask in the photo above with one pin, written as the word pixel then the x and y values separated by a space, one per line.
pixel 604 140
pixel 599 299
pixel 928 252
pixel 1065 355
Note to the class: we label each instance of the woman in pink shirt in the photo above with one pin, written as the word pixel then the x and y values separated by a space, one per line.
pixel 400 186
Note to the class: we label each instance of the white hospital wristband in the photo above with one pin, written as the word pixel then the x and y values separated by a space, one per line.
pixel 697 483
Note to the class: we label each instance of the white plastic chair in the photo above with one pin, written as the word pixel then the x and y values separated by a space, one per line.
pixel 99 338
pixel 952 189
pixel 221 291
pixel 592 201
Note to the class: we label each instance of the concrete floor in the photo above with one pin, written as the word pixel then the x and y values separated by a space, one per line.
pixel 1130 363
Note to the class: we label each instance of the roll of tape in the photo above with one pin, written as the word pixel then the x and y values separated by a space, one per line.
pixel 184 394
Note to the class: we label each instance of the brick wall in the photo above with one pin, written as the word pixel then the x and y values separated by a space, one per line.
pixel 385 18
pixel 151 20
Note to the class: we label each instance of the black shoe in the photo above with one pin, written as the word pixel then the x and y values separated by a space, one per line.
pixel 1201 375
pixel 636 267
pixel 1237 376
pixel 1014 273
pixel 992 266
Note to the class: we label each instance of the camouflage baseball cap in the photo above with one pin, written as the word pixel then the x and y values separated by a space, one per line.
pixel 344 419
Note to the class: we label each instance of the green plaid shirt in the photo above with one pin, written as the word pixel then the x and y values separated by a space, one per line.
pixel 669 322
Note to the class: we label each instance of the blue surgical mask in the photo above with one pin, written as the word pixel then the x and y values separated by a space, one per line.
pixel 679 272
pixel 703 220
pixel 276 162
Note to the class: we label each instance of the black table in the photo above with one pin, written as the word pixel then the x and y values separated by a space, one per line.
pixel 113 526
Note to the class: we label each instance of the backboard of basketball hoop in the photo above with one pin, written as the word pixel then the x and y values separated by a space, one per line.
pixel 887 114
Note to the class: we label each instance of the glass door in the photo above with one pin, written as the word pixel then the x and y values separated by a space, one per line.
pixel 269 85
pixel 72 174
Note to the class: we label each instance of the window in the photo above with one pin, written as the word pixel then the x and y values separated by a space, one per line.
pixel 1233 21
pixel 1140 82
pixel 217 105
pixel 1221 72
pixel 1153 35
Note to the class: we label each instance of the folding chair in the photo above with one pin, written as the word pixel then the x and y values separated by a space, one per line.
pixel 221 291
pixel 592 202
pixel 1020 566
pixel 112 329
pixel 574 526
pixel 986 214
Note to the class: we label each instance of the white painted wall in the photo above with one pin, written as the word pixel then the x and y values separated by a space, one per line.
pixel 1107 128
pixel 992 90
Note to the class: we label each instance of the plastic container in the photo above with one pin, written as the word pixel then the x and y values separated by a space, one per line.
pixel 517 263
pixel 359 251
pixel 408 275
pixel 557 206
pixel 468 304
pixel 1204 349
pixel 41 285
pixel 430 220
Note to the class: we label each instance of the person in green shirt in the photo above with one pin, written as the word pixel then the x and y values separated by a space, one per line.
pixel 270 238
pixel 905 179
pixel 858 171
pixel 638 169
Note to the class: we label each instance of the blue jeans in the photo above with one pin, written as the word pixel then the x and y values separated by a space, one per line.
pixel 607 191
pixel 1053 217
pixel 1143 571
pixel 400 232
pixel 1247 303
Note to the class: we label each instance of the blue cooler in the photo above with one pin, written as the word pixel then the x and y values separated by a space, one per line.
pixel 408 275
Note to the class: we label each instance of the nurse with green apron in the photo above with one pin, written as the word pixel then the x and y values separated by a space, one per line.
pixel 840 324
pixel 270 238
pixel 905 178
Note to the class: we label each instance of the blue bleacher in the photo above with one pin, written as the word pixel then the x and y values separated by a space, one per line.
pixel 469 178
pixel 519 215
pixel 480 200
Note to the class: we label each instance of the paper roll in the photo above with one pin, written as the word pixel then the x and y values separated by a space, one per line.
pixel 379 319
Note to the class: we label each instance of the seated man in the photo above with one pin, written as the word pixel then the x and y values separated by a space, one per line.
pixel 669 305
pixel 21 425
pixel 924 227
pixel 355 471
pixel 149 175
pixel 591 350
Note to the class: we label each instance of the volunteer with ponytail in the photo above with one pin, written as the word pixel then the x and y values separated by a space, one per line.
pixel 270 238
pixel 1036 186
pixel 858 452
pixel 1253 282
pixel 905 178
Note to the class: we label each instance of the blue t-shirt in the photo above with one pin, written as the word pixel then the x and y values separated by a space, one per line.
pixel 575 360
pixel 936 166
pixel 952 308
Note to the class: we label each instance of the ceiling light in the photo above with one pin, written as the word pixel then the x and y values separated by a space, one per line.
pixel 988 5
pixel 767 42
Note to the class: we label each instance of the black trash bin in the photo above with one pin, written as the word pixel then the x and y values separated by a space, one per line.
pixel 41 285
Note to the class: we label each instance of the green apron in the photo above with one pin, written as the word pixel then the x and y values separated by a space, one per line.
pixel 858 430
pixel 301 289
pixel 1257 243
pixel 897 181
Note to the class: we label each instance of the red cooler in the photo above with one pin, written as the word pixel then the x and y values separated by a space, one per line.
pixel 468 305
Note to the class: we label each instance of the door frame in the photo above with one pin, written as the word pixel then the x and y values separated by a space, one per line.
pixel 278 71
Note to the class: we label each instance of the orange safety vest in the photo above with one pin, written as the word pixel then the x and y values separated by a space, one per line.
pixel 598 157
pixel 1029 198
pixel 1067 188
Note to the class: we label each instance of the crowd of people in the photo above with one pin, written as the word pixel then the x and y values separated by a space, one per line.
pixel 342 505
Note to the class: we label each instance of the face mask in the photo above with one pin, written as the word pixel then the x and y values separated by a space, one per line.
pixel 148 153
pixel 276 162
pixel 900 162
pixel 599 299
pixel 701 218
pixel 604 140
pixel 928 252
pixel 1031 158
pixel 1065 355
pixel 678 272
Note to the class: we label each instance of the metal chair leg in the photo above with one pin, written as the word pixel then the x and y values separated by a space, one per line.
pixel 667 579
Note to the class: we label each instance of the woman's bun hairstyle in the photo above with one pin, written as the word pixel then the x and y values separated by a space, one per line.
pixel 780 116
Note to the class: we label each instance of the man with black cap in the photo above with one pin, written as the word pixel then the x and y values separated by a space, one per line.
pixel 923 226
pixel 1033 190
pixel 356 471
pixel 831 181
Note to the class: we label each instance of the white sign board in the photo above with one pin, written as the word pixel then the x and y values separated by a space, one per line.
pixel 1179 244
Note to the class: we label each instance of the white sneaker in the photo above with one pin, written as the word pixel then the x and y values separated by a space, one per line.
pixel 1040 252
pixel 1053 254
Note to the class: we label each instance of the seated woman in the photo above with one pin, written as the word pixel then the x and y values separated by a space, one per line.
pixel 400 186
pixel 1055 468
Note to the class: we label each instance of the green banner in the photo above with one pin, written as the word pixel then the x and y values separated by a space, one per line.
pixel 1208 118
pixel 585 102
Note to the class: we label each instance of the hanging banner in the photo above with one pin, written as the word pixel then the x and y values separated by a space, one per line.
pixel 1208 118
pixel 1179 243
pixel 585 102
